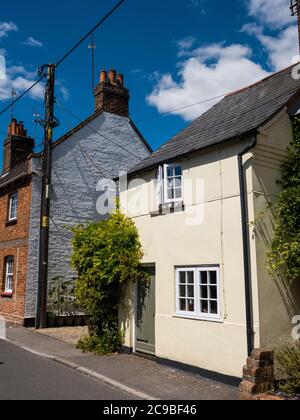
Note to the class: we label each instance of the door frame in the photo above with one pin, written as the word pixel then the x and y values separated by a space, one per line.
pixel 134 313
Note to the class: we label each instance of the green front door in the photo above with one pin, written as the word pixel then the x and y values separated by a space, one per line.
pixel 145 324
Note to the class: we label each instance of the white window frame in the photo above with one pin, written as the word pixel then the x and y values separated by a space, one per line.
pixel 197 314
pixel 167 200
pixel 9 275
pixel 13 217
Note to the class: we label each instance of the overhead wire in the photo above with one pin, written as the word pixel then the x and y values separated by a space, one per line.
pixel 64 57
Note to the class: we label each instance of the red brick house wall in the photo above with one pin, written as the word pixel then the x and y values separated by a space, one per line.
pixel 14 243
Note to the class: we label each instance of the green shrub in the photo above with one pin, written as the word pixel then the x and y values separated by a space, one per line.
pixel 107 343
pixel 107 255
pixel 284 255
pixel 288 365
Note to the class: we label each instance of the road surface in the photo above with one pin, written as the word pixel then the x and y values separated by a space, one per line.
pixel 24 376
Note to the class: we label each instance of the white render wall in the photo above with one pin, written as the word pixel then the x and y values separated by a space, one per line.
pixel 170 241
pixel 103 148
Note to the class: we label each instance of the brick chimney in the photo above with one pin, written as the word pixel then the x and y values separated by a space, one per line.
pixel 17 146
pixel 111 95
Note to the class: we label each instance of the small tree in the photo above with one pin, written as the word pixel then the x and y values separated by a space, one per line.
pixel 107 255
pixel 284 256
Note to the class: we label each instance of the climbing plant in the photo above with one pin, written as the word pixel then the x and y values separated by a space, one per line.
pixel 107 255
pixel 284 255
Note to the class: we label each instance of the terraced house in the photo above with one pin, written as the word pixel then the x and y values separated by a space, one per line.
pixel 99 147
pixel 211 299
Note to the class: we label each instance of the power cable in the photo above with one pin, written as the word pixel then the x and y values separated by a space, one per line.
pixel 181 108
pixel 90 32
pixel 64 57
pixel 97 131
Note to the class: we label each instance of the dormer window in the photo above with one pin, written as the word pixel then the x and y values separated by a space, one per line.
pixel 170 184
pixel 13 207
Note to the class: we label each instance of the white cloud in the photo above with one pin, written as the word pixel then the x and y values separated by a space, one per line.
pixel 274 13
pixel 185 44
pixel 20 79
pixel 2 67
pixel 280 48
pixel 32 42
pixel 209 72
pixel 216 69
pixel 6 27
pixel 20 84
pixel 271 16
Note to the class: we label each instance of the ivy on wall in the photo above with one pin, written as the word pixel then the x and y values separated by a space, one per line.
pixel 284 255
pixel 107 255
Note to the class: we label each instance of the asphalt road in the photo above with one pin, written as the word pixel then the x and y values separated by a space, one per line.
pixel 24 376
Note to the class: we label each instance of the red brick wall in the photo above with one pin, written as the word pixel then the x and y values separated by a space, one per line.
pixel 14 243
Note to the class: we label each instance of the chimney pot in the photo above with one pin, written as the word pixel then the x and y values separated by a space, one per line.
pixel 17 146
pixel 14 127
pixel 120 79
pixel 103 76
pixel 112 77
pixel 111 95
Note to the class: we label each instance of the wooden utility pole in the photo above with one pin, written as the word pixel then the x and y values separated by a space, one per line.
pixel 295 9
pixel 49 124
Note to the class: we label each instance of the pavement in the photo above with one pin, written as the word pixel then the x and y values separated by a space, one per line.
pixel 25 376
pixel 130 376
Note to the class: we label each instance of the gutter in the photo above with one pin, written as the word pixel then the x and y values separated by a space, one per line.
pixel 152 166
pixel 246 246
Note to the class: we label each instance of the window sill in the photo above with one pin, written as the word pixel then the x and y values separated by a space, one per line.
pixel 199 318
pixel 169 208
pixel 11 223
pixel 7 295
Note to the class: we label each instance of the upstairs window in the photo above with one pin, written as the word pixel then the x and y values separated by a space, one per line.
pixel 170 184
pixel 9 275
pixel 13 207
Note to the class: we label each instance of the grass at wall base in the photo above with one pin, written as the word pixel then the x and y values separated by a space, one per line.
pixel 107 256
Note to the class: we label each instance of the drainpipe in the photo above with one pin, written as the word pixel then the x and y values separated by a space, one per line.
pixel 246 246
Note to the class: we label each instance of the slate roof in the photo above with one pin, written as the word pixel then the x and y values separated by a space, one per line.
pixel 239 113
pixel 19 171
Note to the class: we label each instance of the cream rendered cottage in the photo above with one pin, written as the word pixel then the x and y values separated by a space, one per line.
pixel 211 300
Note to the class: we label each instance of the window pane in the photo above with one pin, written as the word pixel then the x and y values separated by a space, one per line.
pixel 204 306
pixel 190 291
pixel 170 172
pixel 213 307
pixel 190 276
pixel 9 275
pixel 203 277
pixel 213 277
pixel 170 183
pixel 178 171
pixel 171 194
pixel 178 193
pixel 213 291
pixel 204 292
pixel 182 305
pixel 13 207
pixel 177 182
pixel 182 291
pixel 182 277
pixel 191 305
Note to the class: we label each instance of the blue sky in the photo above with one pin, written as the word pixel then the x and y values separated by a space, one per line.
pixel 173 54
